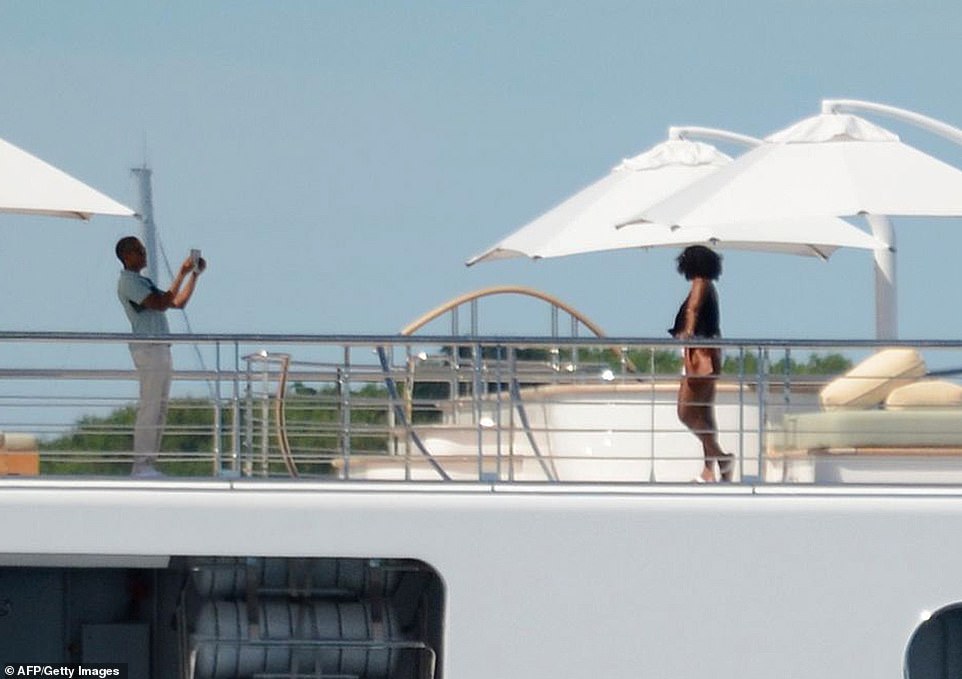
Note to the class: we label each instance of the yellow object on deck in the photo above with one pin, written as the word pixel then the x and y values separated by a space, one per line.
pixel 19 455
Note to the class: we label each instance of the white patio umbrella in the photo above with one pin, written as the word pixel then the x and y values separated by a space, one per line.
pixel 28 185
pixel 831 164
pixel 585 222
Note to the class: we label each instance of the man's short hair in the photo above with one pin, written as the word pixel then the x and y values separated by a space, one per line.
pixel 125 245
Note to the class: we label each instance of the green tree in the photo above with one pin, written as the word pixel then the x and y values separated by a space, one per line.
pixel 314 419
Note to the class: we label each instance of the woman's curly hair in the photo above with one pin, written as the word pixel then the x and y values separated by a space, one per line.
pixel 698 261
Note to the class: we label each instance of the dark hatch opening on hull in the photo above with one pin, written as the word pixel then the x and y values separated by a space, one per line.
pixel 935 650
pixel 228 617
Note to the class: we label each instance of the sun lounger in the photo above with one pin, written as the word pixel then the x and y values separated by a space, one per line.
pixel 879 416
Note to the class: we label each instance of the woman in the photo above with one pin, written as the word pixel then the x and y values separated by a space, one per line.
pixel 698 318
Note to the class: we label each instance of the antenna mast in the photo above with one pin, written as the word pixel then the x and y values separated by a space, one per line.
pixel 148 229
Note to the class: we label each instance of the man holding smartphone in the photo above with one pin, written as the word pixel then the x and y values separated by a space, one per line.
pixel 145 305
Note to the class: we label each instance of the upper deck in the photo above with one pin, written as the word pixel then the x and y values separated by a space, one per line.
pixel 547 411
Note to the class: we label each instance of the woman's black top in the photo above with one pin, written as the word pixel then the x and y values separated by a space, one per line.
pixel 708 323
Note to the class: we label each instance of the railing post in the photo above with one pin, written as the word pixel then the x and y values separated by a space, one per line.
pixel 408 448
pixel 652 396
pixel 787 379
pixel 512 357
pixel 575 354
pixel 344 405
pixel 410 363
pixel 762 399
pixel 741 415
pixel 247 464
pixel 498 361
pixel 266 417
pixel 218 462
pixel 476 406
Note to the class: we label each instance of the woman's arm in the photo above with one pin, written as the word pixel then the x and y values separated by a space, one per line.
pixel 699 290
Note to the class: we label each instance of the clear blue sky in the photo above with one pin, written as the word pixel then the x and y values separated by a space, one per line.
pixel 338 161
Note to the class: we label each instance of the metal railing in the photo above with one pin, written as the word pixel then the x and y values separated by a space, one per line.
pixel 457 408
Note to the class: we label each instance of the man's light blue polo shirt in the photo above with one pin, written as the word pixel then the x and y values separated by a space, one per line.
pixel 133 289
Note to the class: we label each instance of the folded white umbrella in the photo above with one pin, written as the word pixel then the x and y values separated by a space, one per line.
pixel 586 221
pixel 28 185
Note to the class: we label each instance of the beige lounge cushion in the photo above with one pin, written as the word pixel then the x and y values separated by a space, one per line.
pixel 15 442
pixel 915 429
pixel 868 383
pixel 925 394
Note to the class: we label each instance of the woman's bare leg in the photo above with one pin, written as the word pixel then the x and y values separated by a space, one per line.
pixel 696 398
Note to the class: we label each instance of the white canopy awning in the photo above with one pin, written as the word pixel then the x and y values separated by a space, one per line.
pixel 28 185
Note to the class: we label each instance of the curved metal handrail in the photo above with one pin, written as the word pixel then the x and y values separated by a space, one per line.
pixel 455 302
pixel 280 414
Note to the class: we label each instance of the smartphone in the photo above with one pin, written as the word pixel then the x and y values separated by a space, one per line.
pixel 195 259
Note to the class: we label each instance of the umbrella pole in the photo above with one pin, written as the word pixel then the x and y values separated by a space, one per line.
pixel 886 289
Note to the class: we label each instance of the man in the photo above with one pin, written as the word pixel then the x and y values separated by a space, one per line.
pixel 145 305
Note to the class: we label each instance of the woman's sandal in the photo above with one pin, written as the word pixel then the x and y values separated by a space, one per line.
pixel 702 479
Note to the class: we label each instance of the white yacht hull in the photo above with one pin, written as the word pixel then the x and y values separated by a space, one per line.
pixel 739 581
